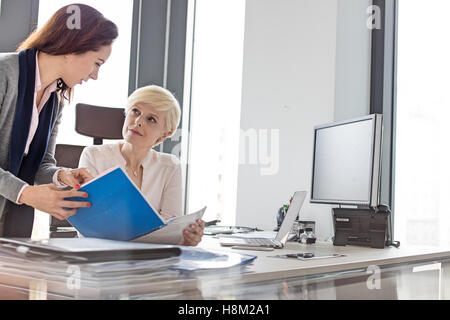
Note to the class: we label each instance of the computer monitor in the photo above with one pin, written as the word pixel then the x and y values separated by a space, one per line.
pixel 346 162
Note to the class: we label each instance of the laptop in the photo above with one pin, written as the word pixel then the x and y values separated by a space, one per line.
pixel 283 233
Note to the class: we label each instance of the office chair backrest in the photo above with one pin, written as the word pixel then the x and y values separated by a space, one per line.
pixel 99 122
pixel 68 155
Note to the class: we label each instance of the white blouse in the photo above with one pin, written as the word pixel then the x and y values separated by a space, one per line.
pixel 161 177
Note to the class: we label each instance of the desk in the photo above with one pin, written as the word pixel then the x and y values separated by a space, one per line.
pixel 364 273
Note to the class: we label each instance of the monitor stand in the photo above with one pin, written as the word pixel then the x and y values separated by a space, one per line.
pixel 369 227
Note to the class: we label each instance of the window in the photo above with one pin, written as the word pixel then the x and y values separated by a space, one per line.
pixel 215 108
pixel 111 88
pixel 422 178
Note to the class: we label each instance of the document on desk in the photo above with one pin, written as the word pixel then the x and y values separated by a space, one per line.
pixel 172 232
pixel 198 259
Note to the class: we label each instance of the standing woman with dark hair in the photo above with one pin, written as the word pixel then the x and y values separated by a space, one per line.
pixel 34 84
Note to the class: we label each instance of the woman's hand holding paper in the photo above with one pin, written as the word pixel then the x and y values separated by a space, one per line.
pixel 193 235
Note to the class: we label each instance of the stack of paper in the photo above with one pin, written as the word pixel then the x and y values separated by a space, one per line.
pixel 93 261
pixel 98 268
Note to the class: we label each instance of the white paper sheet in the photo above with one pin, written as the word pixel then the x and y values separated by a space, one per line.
pixel 172 233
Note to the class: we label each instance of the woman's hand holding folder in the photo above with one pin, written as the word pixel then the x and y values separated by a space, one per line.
pixel 74 177
pixel 51 199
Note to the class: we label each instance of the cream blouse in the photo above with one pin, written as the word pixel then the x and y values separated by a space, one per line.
pixel 161 177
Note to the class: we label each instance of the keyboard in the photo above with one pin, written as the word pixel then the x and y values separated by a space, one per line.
pixel 259 241
pixel 251 242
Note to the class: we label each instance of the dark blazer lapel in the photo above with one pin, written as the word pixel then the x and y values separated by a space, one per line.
pixel 24 108
pixel 38 146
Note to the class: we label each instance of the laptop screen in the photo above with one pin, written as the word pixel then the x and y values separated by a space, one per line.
pixel 291 215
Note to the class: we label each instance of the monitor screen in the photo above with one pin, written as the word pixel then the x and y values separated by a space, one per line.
pixel 346 162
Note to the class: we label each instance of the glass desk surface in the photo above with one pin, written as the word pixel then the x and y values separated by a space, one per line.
pixel 361 273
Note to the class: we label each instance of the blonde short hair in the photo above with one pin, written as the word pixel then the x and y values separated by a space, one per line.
pixel 162 100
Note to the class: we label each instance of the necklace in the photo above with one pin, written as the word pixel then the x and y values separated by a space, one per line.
pixel 135 173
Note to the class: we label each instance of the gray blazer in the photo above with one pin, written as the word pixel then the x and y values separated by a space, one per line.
pixel 10 185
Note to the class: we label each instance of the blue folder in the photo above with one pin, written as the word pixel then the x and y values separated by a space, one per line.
pixel 119 210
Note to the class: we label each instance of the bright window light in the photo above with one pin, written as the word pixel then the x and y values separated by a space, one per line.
pixel 422 179
pixel 215 108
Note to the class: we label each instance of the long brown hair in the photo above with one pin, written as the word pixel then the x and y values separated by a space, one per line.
pixel 58 36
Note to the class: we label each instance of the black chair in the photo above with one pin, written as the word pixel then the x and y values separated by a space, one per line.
pixel 98 123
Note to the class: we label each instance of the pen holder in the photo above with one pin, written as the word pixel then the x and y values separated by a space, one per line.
pixel 306 232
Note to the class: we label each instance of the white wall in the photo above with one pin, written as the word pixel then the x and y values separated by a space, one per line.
pixel 289 84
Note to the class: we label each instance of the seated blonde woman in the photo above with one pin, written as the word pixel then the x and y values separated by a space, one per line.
pixel 152 115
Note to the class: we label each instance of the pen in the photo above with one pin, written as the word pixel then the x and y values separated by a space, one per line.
pixel 211 223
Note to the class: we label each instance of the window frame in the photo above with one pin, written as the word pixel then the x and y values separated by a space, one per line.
pixel 383 92
pixel 163 48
